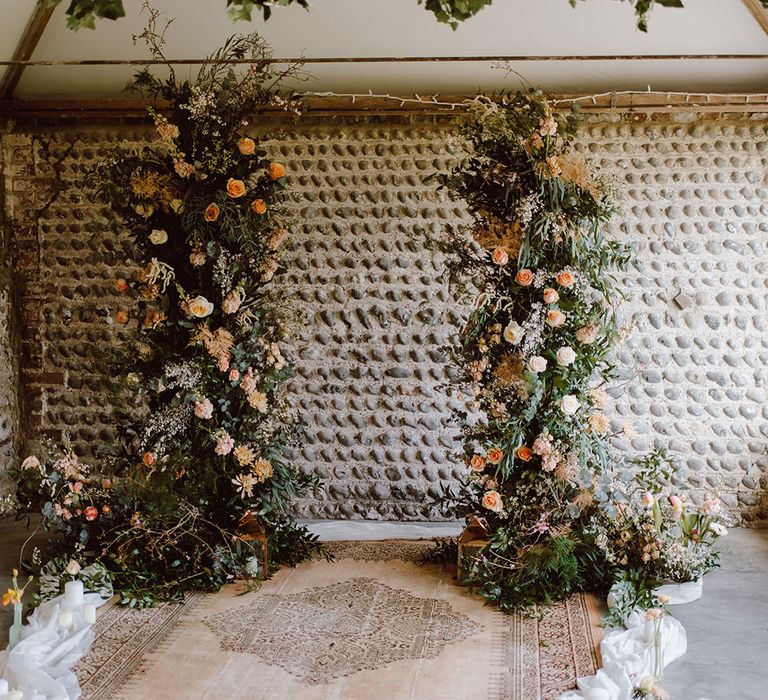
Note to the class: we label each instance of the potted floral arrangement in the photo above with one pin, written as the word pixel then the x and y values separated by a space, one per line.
pixel 659 541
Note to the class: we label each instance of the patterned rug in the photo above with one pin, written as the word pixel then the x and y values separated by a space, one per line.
pixel 373 624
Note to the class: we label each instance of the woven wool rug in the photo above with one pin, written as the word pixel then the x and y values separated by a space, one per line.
pixel 374 624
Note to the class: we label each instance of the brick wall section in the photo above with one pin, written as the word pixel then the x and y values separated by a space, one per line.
pixel 370 370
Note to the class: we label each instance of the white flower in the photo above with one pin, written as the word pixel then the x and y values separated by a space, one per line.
pixel 565 356
pixel 158 236
pixel 200 307
pixel 537 364
pixel 31 462
pixel 73 568
pixel 647 499
pixel 569 404
pixel 719 529
pixel 513 333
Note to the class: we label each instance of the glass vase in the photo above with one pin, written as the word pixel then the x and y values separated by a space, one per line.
pixel 658 651
pixel 14 635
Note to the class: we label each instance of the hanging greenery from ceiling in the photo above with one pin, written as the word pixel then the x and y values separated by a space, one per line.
pixel 84 13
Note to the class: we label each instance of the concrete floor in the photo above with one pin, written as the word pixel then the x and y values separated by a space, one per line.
pixel 727 629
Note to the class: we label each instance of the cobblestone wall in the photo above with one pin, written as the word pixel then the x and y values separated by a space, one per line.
pixel 370 367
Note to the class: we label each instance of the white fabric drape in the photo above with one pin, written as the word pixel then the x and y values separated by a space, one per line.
pixel 41 664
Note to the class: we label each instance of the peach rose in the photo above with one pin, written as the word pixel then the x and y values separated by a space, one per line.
pixel 91 513
pixel 246 146
pixel 122 316
pixel 477 463
pixel 555 318
pixel 500 256
pixel 276 171
pixel 551 296
pixel 565 278
pixel 212 212
pixel 235 188
pixel 524 453
pixel 524 277
pixel 494 455
pixel 492 501
pixel 105 509
pixel 121 285
pixel 149 459
pixel 259 206
pixel 587 334
pixel 197 258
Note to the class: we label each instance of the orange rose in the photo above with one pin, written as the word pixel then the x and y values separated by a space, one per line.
pixel 494 455
pixel 246 146
pixel 276 171
pixel 524 453
pixel 492 501
pixel 212 211
pixel 259 206
pixel 121 285
pixel 524 277
pixel 122 316
pixel 105 509
pixel 235 188
pixel 149 459
pixel 91 513
pixel 565 278
pixel 477 463
pixel 500 256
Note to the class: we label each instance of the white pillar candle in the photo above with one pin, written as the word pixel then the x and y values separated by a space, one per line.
pixel 73 592
pixel 3 688
pixel 89 613
pixel 66 619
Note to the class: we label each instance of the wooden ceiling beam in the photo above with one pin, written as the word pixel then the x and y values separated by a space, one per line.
pixel 328 106
pixel 27 45
pixel 758 12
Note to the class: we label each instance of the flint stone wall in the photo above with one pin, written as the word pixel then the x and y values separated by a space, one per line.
pixel 370 370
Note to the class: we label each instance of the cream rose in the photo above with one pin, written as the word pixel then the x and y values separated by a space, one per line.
pixel 555 318
pixel 200 307
pixel 569 404
pixel 492 501
pixel 158 236
pixel 73 568
pixel 513 333
pixel 500 256
pixel 537 364
pixel 30 462
pixel 565 356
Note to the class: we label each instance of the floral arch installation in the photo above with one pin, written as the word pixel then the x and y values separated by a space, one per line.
pixel 202 476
